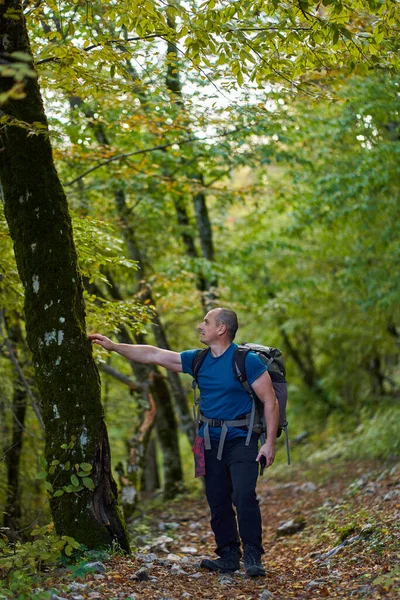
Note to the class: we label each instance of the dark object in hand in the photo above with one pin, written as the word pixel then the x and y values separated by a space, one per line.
pixel 263 464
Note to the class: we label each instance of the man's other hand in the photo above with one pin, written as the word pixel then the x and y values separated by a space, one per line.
pixel 267 450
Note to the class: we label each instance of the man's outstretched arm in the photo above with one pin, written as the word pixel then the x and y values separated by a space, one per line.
pixel 264 389
pixel 150 355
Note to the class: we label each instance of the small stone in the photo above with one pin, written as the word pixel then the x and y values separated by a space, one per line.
pixel 146 557
pixel 196 575
pixel 140 575
pixel 266 595
pixel 308 486
pixel 95 596
pixel 55 597
pixel 177 570
pixel 78 597
pixel 195 525
pixel 291 527
pixel 314 583
pixel 371 488
pixel 97 567
pixel 173 557
pixel 392 495
pixel 225 580
pixel 188 550
pixel 161 543
pixel 161 526
pixel 141 540
pixel 99 576
pixel 77 587
pixel 186 595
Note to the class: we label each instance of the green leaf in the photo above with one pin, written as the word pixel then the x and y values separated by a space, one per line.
pixel 58 493
pixel 71 541
pixel 24 56
pixel 87 482
pixel 43 462
pixel 48 486
pixel 68 550
pixel 86 467
pixel 67 465
pixel 74 480
pixel 41 475
pixel 55 462
pixel 64 446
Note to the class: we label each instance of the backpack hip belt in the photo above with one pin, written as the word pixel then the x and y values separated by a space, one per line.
pixel 224 430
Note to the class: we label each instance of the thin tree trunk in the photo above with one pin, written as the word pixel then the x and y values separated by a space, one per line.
pixel 40 226
pixel 207 286
pixel 12 508
pixel 150 477
pixel 185 418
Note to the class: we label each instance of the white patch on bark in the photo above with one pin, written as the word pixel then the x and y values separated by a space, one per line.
pixel 83 439
pixel 58 361
pixel 33 247
pixel 46 306
pixel 6 42
pixel 37 212
pixel 62 320
pixel 60 337
pixel 50 336
pixel 35 280
pixel 61 231
pixel 56 413
pixel 21 199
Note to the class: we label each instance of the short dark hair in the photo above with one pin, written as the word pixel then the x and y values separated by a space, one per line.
pixel 229 318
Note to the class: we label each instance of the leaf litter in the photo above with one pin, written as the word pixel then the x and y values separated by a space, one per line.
pixel 348 545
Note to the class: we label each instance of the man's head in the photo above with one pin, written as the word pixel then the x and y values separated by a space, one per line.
pixel 219 324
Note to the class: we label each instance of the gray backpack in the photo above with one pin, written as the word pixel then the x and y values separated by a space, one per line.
pixel 254 421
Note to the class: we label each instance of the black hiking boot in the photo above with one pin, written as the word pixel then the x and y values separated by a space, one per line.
pixel 252 562
pixel 227 563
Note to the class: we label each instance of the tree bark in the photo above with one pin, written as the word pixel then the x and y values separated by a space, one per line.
pixel 40 226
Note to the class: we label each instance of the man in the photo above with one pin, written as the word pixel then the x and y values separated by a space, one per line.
pixel 230 480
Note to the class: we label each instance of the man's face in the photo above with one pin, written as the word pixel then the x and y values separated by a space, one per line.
pixel 210 330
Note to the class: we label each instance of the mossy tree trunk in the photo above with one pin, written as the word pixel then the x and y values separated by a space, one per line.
pixel 40 226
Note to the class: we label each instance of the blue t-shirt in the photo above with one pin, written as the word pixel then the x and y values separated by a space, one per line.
pixel 222 396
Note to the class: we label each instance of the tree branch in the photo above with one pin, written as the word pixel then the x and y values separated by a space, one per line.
pixel 145 151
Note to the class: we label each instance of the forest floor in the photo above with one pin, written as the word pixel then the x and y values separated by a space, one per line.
pixel 347 546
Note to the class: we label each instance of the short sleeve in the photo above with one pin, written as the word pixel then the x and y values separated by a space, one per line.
pixel 254 367
pixel 187 360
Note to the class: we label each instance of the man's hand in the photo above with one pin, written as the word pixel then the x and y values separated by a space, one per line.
pixel 102 340
pixel 268 451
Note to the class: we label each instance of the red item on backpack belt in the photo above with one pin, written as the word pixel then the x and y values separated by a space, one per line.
pixel 199 456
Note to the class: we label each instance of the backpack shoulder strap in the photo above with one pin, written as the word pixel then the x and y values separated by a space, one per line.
pixel 239 371
pixel 197 361
pixel 239 364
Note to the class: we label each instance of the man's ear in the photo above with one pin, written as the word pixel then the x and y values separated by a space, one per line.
pixel 223 330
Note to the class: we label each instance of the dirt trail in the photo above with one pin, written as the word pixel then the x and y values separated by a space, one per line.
pixel 356 505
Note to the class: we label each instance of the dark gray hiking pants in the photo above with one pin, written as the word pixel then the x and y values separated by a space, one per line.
pixel 230 483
